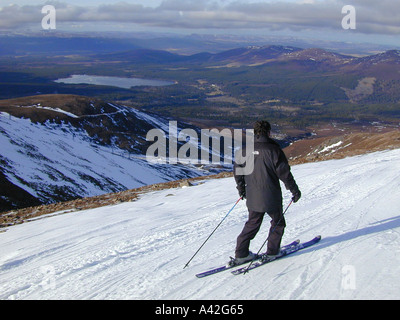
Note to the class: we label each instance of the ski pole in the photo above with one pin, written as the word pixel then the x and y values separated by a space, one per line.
pixel 247 269
pixel 212 232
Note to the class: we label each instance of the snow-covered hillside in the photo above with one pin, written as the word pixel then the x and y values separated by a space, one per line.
pixel 59 161
pixel 137 250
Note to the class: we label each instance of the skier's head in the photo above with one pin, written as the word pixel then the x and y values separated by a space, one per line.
pixel 262 128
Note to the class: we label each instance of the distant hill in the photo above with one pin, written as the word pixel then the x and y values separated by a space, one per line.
pixel 292 86
pixel 299 75
pixel 257 55
pixel 251 55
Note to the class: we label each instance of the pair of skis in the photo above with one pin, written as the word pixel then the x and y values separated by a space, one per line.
pixel 263 259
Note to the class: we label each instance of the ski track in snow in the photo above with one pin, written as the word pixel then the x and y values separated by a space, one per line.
pixel 137 250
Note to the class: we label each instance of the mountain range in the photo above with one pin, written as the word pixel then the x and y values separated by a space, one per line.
pixel 311 75
pixel 239 78
pixel 42 135
pixel 256 55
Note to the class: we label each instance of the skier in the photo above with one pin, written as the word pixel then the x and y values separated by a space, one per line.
pixel 263 194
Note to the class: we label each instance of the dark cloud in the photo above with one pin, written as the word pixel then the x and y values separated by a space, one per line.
pixel 372 16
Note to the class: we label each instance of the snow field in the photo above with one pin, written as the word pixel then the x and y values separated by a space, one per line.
pixel 137 250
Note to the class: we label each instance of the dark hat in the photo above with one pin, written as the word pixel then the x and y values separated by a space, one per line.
pixel 262 128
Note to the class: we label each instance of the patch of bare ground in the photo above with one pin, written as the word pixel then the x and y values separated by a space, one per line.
pixel 19 216
pixel 364 89
pixel 341 146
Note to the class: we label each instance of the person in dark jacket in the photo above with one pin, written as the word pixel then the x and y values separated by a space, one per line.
pixel 262 191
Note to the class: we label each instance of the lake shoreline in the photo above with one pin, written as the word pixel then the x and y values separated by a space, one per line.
pixel 120 82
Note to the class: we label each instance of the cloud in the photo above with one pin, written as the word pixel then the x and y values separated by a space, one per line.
pixel 372 16
pixel 14 16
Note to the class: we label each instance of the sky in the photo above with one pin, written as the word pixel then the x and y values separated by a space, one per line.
pixel 375 21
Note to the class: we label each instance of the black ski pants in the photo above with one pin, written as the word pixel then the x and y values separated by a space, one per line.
pixel 252 226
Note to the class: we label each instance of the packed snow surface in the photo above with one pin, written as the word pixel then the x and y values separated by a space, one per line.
pixel 137 250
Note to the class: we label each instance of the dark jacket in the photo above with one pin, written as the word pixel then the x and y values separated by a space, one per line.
pixel 262 188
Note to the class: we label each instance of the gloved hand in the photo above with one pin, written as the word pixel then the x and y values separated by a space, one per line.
pixel 242 192
pixel 296 196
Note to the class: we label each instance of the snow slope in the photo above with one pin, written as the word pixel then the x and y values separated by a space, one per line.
pixel 137 250
pixel 59 161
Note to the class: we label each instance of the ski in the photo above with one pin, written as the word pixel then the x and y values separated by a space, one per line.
pixel 284 252
pixel 223 268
